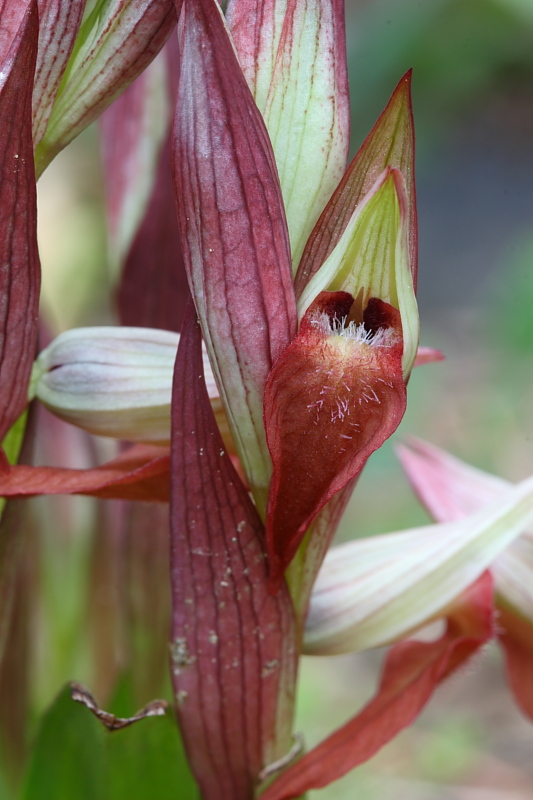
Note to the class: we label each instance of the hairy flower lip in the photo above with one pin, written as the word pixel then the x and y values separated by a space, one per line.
pixel 330 401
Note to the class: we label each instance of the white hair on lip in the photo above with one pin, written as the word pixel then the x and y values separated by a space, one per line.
pixel 383 337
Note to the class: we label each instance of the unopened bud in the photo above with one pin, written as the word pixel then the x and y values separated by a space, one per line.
pixel 112 381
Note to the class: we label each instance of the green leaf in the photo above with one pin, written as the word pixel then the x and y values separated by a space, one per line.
pixel 13 438
pixel 68 760
pixel 146 762
pixel 76 758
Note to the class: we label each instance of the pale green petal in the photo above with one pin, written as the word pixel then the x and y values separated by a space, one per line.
pixel 372 257
pixel 375 591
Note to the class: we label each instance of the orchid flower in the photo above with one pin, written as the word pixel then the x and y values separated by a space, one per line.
pixel 302 271
pixel 451 490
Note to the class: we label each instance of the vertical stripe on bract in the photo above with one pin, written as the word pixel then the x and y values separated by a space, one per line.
pixel 297 73
pixel 256 27
pixel 58 27
pixel 233 644
pixel 233 228
pixel 19 257
pixel 390 143
pixel 412 672
pixel 116 42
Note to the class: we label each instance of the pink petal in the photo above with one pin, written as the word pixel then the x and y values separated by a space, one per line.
pixel 233 227
pixel 20 272
pixel 390 143
pixel 233 650
pixel 411 673
pixel 428 355
pixel 446 486
pixel 330 401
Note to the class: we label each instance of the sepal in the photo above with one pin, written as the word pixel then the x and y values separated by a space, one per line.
pixel 390 143
pixel 117 39
pixel 371 259
pixel 372 592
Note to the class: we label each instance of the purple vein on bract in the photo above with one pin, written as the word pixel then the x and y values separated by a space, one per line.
pixel 233 643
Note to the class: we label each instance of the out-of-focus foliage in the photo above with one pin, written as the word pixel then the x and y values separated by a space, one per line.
pixel 460 51
pixel 76 757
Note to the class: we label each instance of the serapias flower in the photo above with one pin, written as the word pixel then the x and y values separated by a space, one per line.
pixel 452 490
pixel 373 592
pixel 304 291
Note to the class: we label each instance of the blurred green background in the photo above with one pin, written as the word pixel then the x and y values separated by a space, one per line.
pixel 473 98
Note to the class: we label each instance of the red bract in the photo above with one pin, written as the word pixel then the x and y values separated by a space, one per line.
pixel 140 473
pixel 143 229
pixel 20 272
pixel 411 673
pixel 233 228
pixel 332 398
pixel 233 650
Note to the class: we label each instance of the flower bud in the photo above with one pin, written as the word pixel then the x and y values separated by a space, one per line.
pixel 112 381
